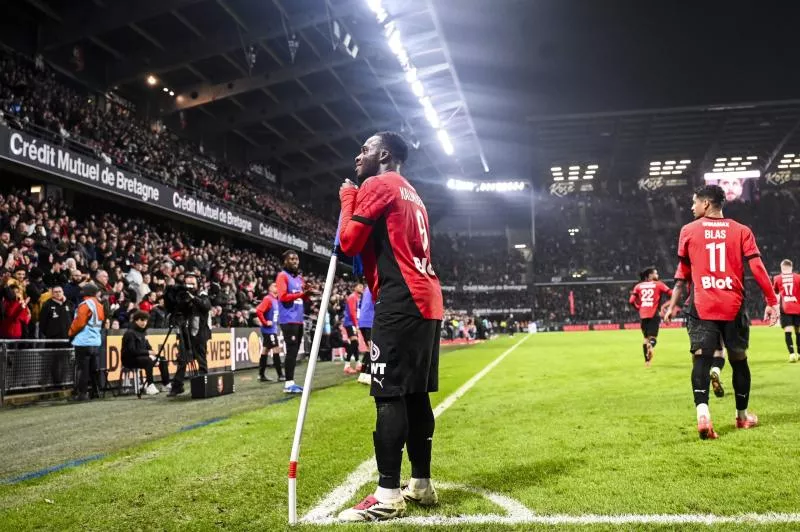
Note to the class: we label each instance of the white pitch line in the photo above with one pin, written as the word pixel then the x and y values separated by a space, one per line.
pixel 367 470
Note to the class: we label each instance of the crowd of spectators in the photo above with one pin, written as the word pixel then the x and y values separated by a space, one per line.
pixel 43 244
pixel 470 260
pixel 34 98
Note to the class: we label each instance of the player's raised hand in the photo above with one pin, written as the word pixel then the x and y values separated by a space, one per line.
pixel 771 314
pixel 346 186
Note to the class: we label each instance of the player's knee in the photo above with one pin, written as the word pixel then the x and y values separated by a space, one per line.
pixel 704 353
pixel 419 407
pixel 737 355
pixel 392 418
pixel 653 341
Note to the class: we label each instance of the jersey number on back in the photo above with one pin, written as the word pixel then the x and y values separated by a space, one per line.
pixel 788 289
pixel 647 297
pixel 713 251
pixel 423 266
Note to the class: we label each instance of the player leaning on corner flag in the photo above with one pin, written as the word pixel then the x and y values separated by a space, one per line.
pixel 712 250
pixel 386 222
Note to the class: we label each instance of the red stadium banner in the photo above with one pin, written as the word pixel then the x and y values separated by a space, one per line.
pixel 630 325
pixel 571 303
pixel 575 328
pixel 606 327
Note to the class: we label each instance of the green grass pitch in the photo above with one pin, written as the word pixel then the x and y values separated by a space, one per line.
pixel 568 423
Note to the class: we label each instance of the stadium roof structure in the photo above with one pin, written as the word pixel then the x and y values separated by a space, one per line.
pixel 690 140
pixel 519 85
pixel 298 83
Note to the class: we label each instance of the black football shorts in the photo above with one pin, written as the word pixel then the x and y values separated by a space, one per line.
pixel 292 333
pixel 366 334
pixel 706 334
pixel 790 320
pixel 351 331
pixel 650 326
pixel 404 357
pixel 270 340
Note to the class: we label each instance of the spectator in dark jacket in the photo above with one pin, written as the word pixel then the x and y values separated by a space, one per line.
pixel 73 289
pixel 56 315
pixel 137 352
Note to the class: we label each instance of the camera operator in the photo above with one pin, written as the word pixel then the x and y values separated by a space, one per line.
pixel 194 334
pixel 137 352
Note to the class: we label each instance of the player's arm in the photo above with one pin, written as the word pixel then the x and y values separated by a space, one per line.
pixel 666 289
pixel 634 299
pixel 776 286
pixel 361 208
pixel 352 307
pixel 682 274
pixel 753 258
pixel 261 309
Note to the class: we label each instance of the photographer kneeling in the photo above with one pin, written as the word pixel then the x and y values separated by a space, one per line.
pixel 138 354
pixel 194 330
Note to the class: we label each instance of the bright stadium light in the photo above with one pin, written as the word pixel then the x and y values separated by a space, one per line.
pixel 669 167
pixel 457 184
pixel 152 80
pixel 736 174
pixel 721 159
pixel 520 246
pixel 395 42
pixel 166 89
pixel 752 158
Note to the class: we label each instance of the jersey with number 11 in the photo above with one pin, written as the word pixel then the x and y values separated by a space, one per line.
pixel 715 249
pixel 397 256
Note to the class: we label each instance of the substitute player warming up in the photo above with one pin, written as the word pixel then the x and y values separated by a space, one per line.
pixel 386 222
pixel 646 298
pixel 787 286
pixel 712 251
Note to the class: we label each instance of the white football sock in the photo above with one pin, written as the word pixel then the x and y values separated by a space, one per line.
pixel 387 494
pixel 715 370
pixel 702 410
pixel 741 414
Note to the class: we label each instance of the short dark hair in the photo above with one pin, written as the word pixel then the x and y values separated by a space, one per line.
pixel 288 253
pixel 713 193
pixel 140 315
pixel 644 274
pixel 395 144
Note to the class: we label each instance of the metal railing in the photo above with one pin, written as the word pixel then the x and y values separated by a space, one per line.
pixel 31 364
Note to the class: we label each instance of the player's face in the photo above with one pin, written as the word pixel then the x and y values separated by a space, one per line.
pixel 359 289
pixel 273 289
pixel 699 206
pixel 368 160
pixel 654 275
pixel 292 262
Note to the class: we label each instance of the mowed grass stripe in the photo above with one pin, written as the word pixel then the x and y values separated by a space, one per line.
pixel 575 424
pixel 229 474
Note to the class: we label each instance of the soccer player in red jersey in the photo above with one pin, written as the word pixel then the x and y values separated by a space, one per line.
pixel 712 251
pixel 386 222
pixel 645 298
pixel 787 286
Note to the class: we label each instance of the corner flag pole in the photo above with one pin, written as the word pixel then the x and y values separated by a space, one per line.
pixel 312 364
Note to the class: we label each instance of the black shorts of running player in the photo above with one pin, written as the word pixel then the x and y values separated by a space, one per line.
pixel 790 320
pixel 351 331
pixel 706 334
pixel 292 333
pixel 404 358
pixel 270 340
pixel 650 326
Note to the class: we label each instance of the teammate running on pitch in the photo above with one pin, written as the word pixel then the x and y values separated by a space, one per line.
pixel 645 298
pixel 386 222
pixel 787 286
pixel 366 313
pixel 712 251
pixel 351 323
pixel 268 312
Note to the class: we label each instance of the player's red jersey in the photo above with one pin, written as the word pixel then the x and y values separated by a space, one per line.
pixel 386 221
pixel 715 250
pixel 646 297
pixel 787 286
